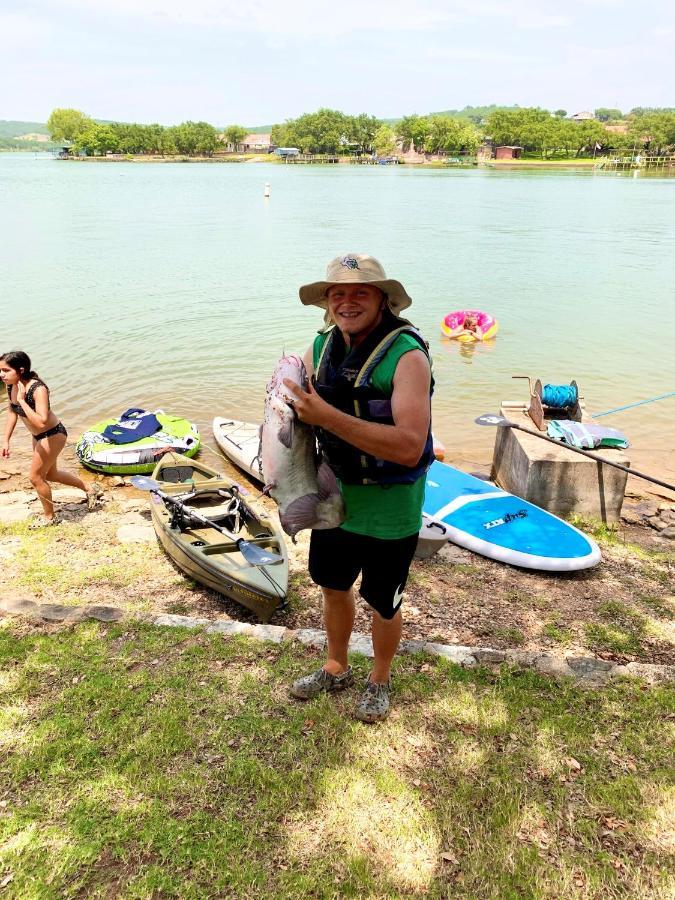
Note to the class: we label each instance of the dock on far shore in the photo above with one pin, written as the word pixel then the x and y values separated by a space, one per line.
pixel 645 161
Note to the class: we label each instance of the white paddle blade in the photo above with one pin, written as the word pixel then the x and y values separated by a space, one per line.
pixel 143 483
pixel 491 419
pixel 257 556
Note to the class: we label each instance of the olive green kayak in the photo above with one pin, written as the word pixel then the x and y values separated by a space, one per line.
pixel 206 554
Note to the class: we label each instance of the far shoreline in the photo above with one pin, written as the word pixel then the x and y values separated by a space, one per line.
pixel 270 158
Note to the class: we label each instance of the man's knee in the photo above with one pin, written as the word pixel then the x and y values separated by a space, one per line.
pixel 388 617
pixel 337 598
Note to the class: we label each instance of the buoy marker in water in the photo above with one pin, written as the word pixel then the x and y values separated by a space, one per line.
pixel 267 190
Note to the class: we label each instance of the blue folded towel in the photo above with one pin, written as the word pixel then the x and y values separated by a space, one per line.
pixel 133 425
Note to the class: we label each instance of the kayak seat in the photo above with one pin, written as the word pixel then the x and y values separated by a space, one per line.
pixel 177 474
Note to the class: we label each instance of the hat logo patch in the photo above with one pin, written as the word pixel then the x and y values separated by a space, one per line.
pixel 349 262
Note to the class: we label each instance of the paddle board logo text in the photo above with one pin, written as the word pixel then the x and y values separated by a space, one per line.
pixel 505 520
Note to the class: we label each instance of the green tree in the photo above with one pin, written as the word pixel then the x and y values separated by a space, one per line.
pixel 447 134
pixel 155 138
pixel 362 130
pixel 97 140
pixel 133 138
pixel 166 144
pixel 606 114
pixel 282 134
pixel 567 135
pixel 384 140
pixel 67 124
pixel 645 110
pixel 560 113
pixel 234 134
pixel 195 138
pixel 654 128
pixel 621 141
pixel 413 131
pixel 324 131
pixel 530 127
pixel 206 139
pixel 591 136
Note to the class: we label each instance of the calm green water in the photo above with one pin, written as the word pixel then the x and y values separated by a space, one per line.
pixel 175 285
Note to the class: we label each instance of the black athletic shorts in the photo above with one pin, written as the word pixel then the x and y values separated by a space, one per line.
pixel 337 556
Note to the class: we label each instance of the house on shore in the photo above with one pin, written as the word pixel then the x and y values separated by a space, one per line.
pixel 508 152
pixel 252 143
pixel 256 143
pixel 584 116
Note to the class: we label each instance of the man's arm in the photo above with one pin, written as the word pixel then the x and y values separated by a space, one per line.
pixel 402 442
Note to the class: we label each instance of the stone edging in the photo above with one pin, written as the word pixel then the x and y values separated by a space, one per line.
pixel 587 669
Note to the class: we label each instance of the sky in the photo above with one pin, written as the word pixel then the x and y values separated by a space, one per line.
pixel 257 62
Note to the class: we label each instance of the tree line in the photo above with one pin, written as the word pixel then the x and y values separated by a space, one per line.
pixel 534 129
pixel 330 131
pixel 99 138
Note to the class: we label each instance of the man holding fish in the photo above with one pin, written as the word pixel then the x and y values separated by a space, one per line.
pixel 369 399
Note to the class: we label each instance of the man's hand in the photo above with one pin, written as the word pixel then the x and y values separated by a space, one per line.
pixel 5 450
pixel 310 408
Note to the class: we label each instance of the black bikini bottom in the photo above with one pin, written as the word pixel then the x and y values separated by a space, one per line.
pixel 57 429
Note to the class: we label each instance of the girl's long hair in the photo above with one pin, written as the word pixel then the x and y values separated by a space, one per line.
pixel 17 360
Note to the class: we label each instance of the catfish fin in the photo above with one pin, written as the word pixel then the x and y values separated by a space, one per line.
pixel 286 433
pixel 326 481
pixel 299 514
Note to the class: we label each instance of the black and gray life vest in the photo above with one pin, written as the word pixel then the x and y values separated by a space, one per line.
pixel 344 379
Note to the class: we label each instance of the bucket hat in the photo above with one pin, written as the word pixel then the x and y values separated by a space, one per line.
pixel 356 268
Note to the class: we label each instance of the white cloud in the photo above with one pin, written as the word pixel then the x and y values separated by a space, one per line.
pixel 524 13
pixel 299 17
pixel 468 54
pixel 21 31
pixel 302 18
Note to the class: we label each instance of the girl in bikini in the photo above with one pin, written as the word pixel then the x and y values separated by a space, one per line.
pixel 29 400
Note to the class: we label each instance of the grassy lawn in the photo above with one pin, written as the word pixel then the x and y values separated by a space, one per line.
pixel 622 610
pixel 146 762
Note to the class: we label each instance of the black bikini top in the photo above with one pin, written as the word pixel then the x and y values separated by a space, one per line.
pixel 30 399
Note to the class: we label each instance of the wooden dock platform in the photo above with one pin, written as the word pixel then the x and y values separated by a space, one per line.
pixel 647 162
pixel 315 158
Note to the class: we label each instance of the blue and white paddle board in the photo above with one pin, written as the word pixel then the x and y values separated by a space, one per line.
pixel 483 518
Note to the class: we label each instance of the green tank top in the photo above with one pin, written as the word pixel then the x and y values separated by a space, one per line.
pixel 386 511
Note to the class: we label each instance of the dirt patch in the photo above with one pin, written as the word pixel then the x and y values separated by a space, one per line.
pixel 622 610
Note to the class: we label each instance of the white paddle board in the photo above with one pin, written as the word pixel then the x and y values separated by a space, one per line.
pixel 240 442
pixel 483 518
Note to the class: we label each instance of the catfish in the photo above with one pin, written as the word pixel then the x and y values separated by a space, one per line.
pixel 302 485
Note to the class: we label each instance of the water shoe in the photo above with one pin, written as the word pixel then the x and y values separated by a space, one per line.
pixel 374 704
pixel 321 681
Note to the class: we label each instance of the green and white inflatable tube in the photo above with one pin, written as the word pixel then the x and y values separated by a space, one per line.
pixel 140 457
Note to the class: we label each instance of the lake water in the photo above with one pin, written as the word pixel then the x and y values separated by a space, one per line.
pixel 175 285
